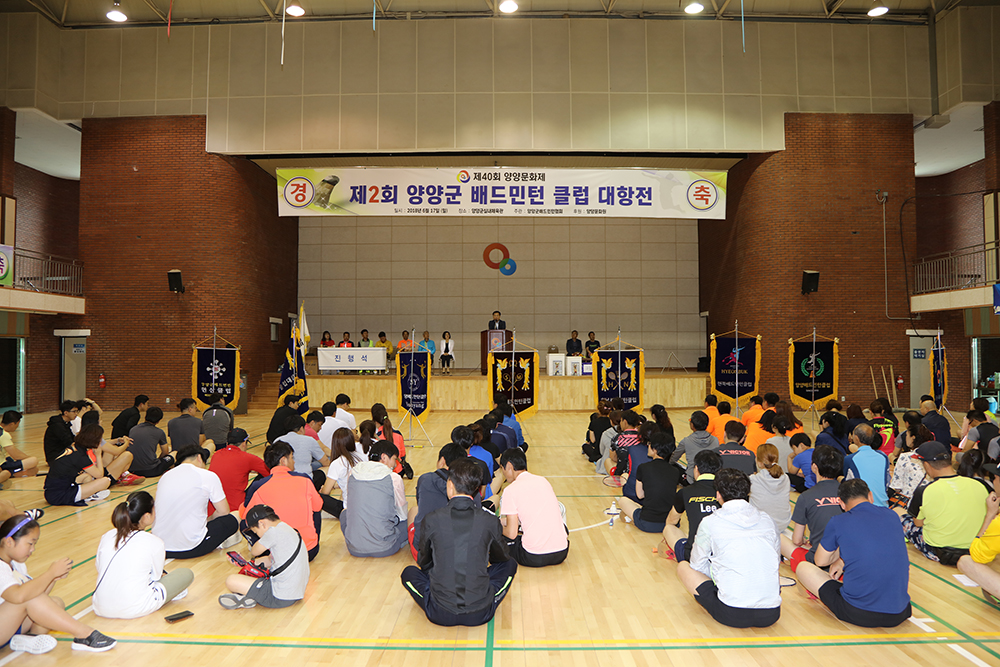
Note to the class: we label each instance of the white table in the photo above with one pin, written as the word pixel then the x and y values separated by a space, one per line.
pixel 351 358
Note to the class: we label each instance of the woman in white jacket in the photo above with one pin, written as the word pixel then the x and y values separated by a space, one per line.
pixel 130 579
pixel 770 488
pixel 447 350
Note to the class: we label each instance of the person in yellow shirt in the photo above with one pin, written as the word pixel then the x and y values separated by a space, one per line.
pixel 984 549
pixel 717 425
pixel 390 351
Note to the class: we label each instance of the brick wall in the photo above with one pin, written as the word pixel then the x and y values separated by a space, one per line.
pixel 991 141
pixel 48 212
pixel 812 206
pixel 8 133
pixel 151 200
pixel 949 223
pixel 42 381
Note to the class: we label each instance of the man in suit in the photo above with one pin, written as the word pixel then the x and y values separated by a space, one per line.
pixel 496 322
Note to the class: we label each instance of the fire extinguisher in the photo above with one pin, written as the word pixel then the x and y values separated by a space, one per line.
pixel 899 381
pixel 101 381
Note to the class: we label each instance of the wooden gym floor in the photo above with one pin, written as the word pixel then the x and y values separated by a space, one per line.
pixel 613 602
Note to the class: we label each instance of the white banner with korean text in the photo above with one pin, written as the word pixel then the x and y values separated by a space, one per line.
pixel 503 191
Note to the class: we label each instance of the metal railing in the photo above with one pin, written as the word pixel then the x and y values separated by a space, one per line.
pixel 973 266
pixel 40 272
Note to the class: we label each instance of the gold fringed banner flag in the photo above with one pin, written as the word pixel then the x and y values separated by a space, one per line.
pixel 293 375
pixel 215 371
pixel 413 373
pixel 620 374
pixel 735 366
pixel 813 371
pixel 515 374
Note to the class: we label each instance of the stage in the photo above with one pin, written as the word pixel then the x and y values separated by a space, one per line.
pixel 468 390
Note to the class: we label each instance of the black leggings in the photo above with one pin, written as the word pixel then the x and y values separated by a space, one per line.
pixel 220 529
pixel 445 361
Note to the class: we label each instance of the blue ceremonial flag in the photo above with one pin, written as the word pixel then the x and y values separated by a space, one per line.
pixel 620 374
pixel 996 299
pixel 413 371
pixel 293 375
pixel 939 372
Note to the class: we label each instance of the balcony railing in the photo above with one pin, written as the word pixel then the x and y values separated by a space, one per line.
pixel 973 266
pixel 39 272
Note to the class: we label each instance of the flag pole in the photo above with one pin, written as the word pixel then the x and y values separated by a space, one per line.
pixel 736 351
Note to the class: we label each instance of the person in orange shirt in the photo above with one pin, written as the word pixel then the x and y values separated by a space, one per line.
pixel 717 425
pixel 405 345
pixel 760 431
pixel 754 412
pixel 711 401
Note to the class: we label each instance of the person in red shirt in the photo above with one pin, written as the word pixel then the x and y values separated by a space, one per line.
pixel 233 465
pixel 347 341
pixel 328 340
pixel 292 495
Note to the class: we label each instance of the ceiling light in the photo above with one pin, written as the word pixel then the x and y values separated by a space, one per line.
pixel 508 6
pixel 878 9
pixel 694 8
pixel 116 14
pixel 294 10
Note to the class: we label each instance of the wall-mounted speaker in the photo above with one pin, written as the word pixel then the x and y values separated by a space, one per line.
pixel 177 284
pixel 810 282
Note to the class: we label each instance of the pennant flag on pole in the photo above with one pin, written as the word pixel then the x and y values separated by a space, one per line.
pixel 303 330
pixel 293 375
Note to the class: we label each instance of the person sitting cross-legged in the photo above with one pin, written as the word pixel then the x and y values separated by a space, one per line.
pixel 868 463
pixel 984 548
pixel 374 520
pixel 867 546
pixel 945 515
pixel 697 501
pixel 815 507
pixel 464 569
pixel 530 505
pixel 655 486
pixel 733 571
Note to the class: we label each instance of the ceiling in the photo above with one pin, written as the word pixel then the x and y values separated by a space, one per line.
pixel 91 13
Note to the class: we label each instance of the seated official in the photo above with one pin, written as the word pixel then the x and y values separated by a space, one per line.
pixel 182 496
pixel 529 505
pixel 945 515
pixel 464 570
pixel 574 346
pixel 867 546
pixel 733 571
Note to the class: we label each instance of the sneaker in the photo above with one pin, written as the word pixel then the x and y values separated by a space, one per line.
pixel 100 495
pixel 34 644
pixel 234 601
pixel 989 597
pixel 128 479
pixel 231 541
pixel 35 515
pixel 95 641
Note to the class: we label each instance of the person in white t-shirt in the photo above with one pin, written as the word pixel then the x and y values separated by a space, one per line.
pixel 345 455
pixel 183 495
pixel 343 411
pixel 330 424
pixel 130 578
pixel 25 604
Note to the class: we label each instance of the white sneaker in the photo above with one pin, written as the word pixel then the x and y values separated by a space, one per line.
pixel 231 541
pixel 100 495
pixel 35 644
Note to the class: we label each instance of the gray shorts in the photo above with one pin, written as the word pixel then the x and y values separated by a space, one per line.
pixel 261 593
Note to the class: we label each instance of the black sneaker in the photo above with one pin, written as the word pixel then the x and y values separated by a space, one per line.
pixel 95 643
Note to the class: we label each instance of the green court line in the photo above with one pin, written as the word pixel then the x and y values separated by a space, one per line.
pixel 78 601
pixel 964 589
pixel 956 630
pixel 554 649
pixel 85 560
pixel 489 644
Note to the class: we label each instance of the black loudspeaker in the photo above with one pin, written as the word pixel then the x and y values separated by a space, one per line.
pixel 177 285
pixel 810 281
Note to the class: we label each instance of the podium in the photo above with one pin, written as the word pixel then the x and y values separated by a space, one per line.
pixel 493 340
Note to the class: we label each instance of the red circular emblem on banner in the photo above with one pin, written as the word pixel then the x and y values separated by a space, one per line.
pixel 489 249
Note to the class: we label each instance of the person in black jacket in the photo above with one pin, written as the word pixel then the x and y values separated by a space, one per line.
pixel 128 418
pixel 936 423
pixel 455 582
pixel 58 435
pixel 279 422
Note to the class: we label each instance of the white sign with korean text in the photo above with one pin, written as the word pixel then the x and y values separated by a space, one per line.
pixel 503 191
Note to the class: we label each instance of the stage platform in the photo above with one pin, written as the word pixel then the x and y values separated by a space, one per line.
pixel 468 390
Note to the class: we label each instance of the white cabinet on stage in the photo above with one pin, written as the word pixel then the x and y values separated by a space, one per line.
pixel 556 364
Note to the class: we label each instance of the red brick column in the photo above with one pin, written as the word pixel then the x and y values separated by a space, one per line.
pixel 8 130
pixel 991 140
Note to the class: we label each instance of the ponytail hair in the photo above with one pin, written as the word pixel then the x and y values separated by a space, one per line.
pixel 127 515
pixel 767 457
pixel 367 432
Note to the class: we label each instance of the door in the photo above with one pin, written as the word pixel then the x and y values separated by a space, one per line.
pixel 74 368
pixel 920 368
pixel 10 358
